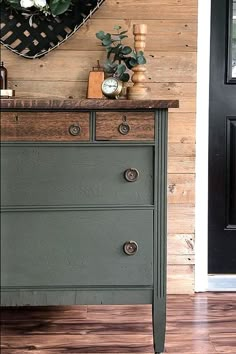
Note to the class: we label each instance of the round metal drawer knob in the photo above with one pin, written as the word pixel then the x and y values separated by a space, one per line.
pixel 74 130
pixel 130 248
pixel 131 174
pixel 124 128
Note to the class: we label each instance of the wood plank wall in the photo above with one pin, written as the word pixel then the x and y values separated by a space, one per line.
pixel 171 74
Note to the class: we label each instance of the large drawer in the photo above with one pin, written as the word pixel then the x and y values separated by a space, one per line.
pixel 68 175
pixel 44 126
pixel 128 126
pixel 76 248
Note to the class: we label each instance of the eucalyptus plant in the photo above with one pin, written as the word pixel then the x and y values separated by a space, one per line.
pixel 120 57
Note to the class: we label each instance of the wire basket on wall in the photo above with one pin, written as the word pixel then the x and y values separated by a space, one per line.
pixel 46 32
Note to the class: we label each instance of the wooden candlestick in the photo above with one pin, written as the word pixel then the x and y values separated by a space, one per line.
pixel 138 90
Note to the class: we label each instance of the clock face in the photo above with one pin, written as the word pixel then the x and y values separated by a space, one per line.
pixel 109 85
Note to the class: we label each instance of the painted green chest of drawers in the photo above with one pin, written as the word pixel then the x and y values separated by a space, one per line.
pixel 83 204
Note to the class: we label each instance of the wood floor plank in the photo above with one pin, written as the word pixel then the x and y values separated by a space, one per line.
pixel 63 351
pixel 121 312
pixel 224 342
pixel 59 327
pixel 27 313
pixel 83 343
pixel 196 324
pixel 188 345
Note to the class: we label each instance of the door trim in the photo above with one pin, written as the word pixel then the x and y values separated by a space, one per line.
pixel 202 143
pixel 221 282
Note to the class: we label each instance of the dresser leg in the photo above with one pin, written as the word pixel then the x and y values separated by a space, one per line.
pixel 159 324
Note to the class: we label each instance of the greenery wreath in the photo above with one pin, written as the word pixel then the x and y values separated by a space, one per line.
pixel 43 7
pixel 32 28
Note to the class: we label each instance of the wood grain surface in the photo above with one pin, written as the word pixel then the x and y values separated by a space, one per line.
pixel 85 104
pixel 141 126
pixel 161 66
pixel 201 323
pixel 35 126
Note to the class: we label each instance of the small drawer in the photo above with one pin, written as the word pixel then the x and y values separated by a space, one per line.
pixel 125 126
pixel 44 126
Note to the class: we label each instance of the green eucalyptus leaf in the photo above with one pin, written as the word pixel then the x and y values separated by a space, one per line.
pixel 59 7
pixel 108 68
pixel 111 64
pixel 123 36
pixel 140 53
pixel 132 62
pixel 126 50
pixel 141 60
pixel 15 4
pixel 126 60
pixel 124 77
pixel 117 27
pixel 107 36
pixel 123 32
pixel 121 68
pixel 106 42
pixel 100 35
pixel 114 65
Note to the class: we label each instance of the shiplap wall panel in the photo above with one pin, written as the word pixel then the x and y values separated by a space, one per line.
pixel 148 10
pixel 181 188
pixel 59 66
pixel 181 244
pixel 174 35
pixel 171 50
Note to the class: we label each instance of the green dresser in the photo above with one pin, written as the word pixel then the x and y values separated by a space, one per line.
pixel 83 203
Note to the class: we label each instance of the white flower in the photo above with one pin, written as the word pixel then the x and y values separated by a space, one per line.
pixel 40 3
pixel 26 3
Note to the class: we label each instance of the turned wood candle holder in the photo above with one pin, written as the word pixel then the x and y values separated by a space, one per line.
pixel 138 90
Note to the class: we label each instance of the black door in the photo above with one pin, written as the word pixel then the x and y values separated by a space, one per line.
pixel 222 139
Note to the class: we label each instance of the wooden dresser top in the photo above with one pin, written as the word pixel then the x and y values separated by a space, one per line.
pixel 85 104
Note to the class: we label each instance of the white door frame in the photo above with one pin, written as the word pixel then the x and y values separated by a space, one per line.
pixel 202 141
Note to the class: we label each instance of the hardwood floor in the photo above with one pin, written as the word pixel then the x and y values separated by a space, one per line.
pixel 198 324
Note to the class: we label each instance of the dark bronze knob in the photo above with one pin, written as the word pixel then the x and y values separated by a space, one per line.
pixel 74 130
pixel 131 174
pixel 130 248
pixel 124 128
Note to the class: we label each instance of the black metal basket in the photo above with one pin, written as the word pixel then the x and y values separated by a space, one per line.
pixel 46 32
